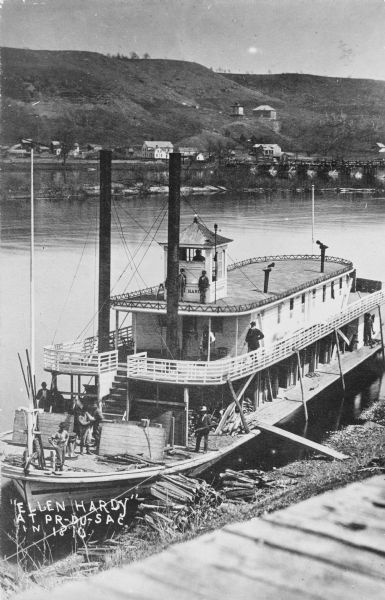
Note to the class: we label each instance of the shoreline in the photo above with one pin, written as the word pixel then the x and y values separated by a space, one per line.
pixel 363 441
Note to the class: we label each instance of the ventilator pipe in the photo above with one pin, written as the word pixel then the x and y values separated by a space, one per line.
pixel 323 249
pixel 267 275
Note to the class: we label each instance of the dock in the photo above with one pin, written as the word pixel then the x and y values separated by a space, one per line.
pixel 330 546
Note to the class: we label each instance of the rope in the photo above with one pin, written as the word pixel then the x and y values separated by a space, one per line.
pixel 71 286
pixel 124 270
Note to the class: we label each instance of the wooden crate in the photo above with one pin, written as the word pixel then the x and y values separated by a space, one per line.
pixel 132 438
pixel 47 425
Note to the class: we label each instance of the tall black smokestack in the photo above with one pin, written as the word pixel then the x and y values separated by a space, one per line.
pixel 172 337
pixel 104 251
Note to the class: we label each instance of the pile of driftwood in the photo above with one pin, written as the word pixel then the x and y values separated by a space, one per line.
pixel 175 503
pixel 231 422
pixel 242 485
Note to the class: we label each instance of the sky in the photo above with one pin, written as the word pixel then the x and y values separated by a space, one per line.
pixel 338 38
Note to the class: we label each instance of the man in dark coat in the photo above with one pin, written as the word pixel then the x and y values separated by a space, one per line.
pixel 182 280
pixel 43 397
pixel 203 286
pixel 202 429
pixel 253 336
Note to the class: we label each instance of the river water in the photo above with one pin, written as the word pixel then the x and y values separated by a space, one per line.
pixel 66 253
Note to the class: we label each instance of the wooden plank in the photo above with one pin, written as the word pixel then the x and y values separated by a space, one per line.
pixel 272 558
pixel 292 539
pixel 297 439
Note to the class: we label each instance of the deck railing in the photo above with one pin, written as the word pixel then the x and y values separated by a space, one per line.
pixel 139 366
pixel 82 356
pixel 79 363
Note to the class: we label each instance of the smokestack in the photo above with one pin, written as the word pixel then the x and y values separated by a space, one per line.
pixel 172 337
pixel 104 251
pixel 267 275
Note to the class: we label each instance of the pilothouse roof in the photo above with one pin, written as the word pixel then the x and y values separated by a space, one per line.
pixel 197 235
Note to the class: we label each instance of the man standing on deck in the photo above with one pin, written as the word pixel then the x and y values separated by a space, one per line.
pixel 182 280
pixel 253 336
pixel 43 397
pixel 85 425
pixel 202 429
pixel 203 286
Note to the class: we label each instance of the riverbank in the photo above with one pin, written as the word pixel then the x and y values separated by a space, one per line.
pixel 364 442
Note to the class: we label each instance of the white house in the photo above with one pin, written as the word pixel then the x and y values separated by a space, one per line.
pixel 268 150
pixel 265 112
pixel 237 110
pixel 157 150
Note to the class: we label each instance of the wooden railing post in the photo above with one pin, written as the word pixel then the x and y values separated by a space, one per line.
pixel 301 384
pixel 339 361
pixel 382 332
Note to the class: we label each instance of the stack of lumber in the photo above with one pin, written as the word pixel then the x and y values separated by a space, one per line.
pixel 242 485
pixel 177 500
pixel 129 460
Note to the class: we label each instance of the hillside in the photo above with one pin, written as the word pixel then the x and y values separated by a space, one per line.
pixel 324 114
pixel 89 97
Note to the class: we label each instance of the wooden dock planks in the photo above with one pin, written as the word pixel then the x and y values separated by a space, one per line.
pixel 331 546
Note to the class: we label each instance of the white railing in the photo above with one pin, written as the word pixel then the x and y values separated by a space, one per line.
pixel 139 366
pixel 82 356
pixel 78 363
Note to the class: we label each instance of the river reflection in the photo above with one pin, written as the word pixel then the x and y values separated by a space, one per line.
pixel 66 251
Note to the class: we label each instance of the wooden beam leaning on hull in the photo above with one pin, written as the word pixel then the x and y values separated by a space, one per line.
pixel 297 439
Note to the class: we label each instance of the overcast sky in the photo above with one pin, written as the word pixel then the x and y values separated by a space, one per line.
pixel 324 37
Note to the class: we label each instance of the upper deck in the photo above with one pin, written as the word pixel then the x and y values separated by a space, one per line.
pixel 245 283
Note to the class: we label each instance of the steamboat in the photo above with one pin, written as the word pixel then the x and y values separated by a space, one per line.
pixel 174 349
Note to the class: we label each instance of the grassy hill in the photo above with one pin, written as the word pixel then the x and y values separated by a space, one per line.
pixel 324 114
pixel 119 102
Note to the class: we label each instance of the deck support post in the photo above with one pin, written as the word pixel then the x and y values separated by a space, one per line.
pixel 116 328
pixel 186 408
pixel 301 384
pixel 244 423
pixel 270 386
pixel 236 335
pixel 134 330
pixel 172 432
pixel 72 388
pixel 128 400
pixel 79 385
pixel 209 342
pixel 382 333
pixel 339 361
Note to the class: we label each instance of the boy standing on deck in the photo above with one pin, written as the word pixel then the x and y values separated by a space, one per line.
pixel 59 441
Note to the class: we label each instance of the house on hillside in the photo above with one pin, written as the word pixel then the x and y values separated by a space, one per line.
pixel 18 151
pixel 188 152
pixel 55 147
pixel 267 150
pixel 265 112
pixel 157 150
pixel 237 110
